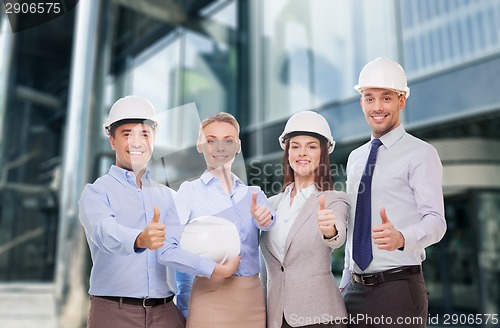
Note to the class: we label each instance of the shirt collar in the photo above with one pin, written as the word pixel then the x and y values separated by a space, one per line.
pixel 306 192
pixel 392 136
pixel 123 175
pixel 206 177
pixel 288 189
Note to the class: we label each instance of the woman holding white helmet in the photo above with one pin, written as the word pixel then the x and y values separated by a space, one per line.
pixel 311 223
pixel 226 294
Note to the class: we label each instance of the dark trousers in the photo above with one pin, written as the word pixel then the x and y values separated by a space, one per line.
pixel 400 303
pixel 110 314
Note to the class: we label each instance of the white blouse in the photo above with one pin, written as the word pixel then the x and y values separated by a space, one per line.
pixel 285 216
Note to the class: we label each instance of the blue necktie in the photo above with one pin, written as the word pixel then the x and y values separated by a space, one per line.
pixel 362 240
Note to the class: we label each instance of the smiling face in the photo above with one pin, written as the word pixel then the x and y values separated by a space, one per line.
pixel 382 109
pixel 304 156
pixel 133 145
pixel 219 144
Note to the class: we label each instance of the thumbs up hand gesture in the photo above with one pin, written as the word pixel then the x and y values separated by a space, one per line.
pixel 386 236
pixel 326 220
pixel 153 236
pixel 260 213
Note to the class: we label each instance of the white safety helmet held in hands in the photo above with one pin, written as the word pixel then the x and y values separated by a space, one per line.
pixel 131 108
pixel 211 237
pixel 383 73
pixel 307 123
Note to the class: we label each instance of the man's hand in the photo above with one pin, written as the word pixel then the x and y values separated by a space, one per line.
pixel 260 213
pixel 326 220
pixel 386 236
pixel 226 269
pixel 153 236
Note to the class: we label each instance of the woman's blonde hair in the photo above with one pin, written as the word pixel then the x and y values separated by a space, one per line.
pixel 220 117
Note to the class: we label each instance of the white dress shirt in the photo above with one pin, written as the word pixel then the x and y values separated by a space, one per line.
pixel 407 181
pixel 286 214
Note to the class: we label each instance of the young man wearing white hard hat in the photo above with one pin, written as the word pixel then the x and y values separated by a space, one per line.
pixel 123 213
pixel 395 187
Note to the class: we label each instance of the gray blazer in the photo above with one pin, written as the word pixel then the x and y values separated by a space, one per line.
pixel 303 288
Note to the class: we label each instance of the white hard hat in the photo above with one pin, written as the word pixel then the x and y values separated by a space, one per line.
pixel 130 107
pixel 309 122
pixel 383 73
pixel 211 237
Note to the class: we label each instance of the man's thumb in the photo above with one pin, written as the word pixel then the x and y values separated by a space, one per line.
pixel 383 215
pixel 156 216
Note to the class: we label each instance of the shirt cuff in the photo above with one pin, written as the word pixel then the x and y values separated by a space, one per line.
pixel 410 237
pixel 334 238
pixel 206 267
pixel 134 233
pixel 269 226
pixel 346 278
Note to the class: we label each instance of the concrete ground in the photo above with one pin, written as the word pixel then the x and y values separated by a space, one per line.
pixel 27 305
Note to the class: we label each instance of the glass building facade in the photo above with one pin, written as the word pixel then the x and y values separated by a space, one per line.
pixel 261 61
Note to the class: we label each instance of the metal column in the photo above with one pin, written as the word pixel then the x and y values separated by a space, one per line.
pixel 70 278
pixel 5 58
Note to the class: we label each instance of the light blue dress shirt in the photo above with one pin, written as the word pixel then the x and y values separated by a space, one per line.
pixel 407 181
pixel 205 196
pixel 113 211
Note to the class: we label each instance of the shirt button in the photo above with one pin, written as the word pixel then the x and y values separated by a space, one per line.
pixel 151 269
pixel 282 269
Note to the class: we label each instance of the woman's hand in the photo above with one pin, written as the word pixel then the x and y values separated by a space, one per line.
pixel 226 269
pixel 260 213
pixel 326 220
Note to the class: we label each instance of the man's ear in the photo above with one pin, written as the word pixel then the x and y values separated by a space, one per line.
pixel 402 102
pixel 112 142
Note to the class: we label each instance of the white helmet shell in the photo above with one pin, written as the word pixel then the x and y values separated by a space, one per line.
pixel 383 73
pixel 211 237
pixel 130 107
pixel 308 121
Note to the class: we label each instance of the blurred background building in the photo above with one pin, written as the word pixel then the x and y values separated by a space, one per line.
pixel 261 61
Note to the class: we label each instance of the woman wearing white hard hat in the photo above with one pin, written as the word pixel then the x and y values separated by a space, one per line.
pixel 227 291
pixel 311 223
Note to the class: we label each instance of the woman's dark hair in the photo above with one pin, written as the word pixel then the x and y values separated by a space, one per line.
pixel 322 177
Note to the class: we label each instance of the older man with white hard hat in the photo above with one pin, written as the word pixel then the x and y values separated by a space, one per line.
pixel 395 187
pixel 123 213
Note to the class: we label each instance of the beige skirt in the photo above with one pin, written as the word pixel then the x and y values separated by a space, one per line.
pixel 231 302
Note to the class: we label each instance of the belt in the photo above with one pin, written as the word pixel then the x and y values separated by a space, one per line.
pixel 377 278
pixel 144 302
